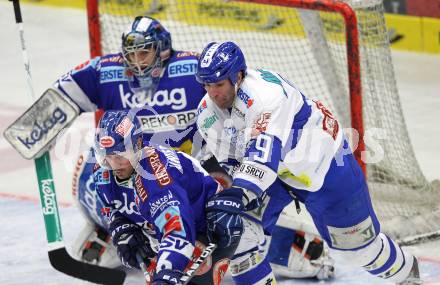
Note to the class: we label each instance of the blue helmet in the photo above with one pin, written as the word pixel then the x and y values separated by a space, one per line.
pixel 118 132
pixel 144 34
pixel 219 61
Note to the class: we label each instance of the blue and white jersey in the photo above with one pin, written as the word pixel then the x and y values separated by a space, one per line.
pixel 274 131
pixel 167 195
pixel 103 83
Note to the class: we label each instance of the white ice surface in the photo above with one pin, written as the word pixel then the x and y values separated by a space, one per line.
pixel 56 41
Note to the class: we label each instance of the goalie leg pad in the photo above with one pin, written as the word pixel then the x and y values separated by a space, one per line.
pixel 84 193
pixel 298 254
pixel 249 265
pixel 93 245
pixel 260 275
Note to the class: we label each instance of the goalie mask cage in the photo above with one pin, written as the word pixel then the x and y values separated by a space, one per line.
pixel 336 52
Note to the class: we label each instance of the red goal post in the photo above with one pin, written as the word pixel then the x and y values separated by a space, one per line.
pixel 336 52
pixel 351 31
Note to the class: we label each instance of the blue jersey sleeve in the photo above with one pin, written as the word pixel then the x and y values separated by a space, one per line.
pixel 81 84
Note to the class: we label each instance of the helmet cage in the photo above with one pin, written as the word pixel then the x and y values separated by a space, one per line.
pixel 146 34
pixel 141 44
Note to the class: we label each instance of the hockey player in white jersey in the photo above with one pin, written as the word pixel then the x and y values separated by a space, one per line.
pixel 280 146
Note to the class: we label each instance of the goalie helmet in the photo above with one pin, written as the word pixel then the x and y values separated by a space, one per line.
pixel 145 35
pixel 219 61
pixel 120 133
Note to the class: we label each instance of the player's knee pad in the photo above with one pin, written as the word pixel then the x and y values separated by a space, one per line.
pixel 348 224
pixel 299 254
pixel 383 258
pixel 93 245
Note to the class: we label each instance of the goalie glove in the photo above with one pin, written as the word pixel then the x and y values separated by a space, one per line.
pixel 37 128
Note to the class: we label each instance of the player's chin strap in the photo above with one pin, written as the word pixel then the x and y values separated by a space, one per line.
pixel 58 256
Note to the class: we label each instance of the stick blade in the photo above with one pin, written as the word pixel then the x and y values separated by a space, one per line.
pixel 63 262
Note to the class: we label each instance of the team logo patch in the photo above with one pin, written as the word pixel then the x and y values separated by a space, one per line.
pixel 170 221
pixel 238 112
pixel 76 174
pixel 245 98
pixel 207 59
pixel 182 68
pixel 159 170
pixel 202 107
pixel 112 74
pixel 174 98
pixel 105 211
pixel 140 190
pixel 106 142
pixel 260 124
pixel 102 177
pixel 167 122
pixel 162 202
pixel 209 121
pixel 116 58
pixel 124 127
pixel 329 124
pixel 187 53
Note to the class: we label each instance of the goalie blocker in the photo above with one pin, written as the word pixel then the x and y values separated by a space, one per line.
pixel 37 128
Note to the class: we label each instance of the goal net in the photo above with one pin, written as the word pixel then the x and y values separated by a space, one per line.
pixel 336 52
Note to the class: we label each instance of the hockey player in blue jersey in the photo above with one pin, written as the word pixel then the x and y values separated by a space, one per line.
pixel 170 190
pixel 148 73
pixel 283 146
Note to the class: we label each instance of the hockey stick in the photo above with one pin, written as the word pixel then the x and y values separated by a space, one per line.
pixel 186 277
pixel 143 267
pixel 58 256
pixel 193 268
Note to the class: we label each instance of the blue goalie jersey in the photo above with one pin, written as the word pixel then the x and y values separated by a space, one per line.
pixel 168 114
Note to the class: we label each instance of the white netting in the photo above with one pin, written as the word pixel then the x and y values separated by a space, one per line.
pixel 309 48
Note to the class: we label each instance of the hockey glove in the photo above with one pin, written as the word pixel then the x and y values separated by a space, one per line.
pixel 129 239
pixel 167 277
pixel 223 219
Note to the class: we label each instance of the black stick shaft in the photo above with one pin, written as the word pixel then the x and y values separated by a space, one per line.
pixel 17 11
